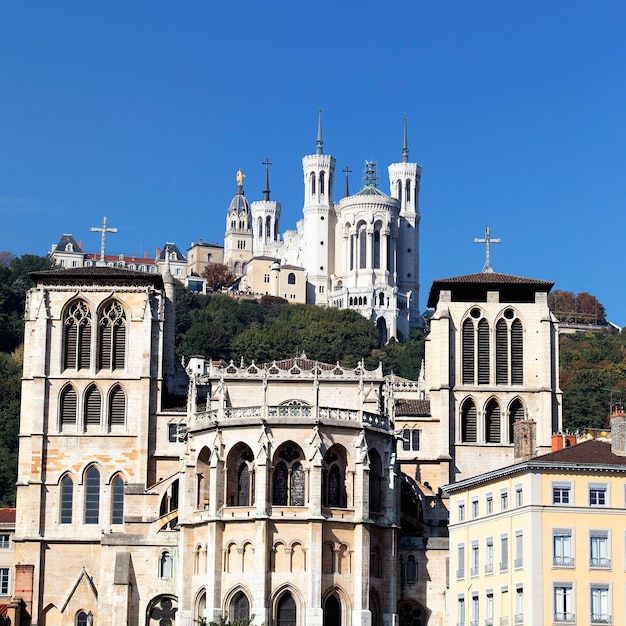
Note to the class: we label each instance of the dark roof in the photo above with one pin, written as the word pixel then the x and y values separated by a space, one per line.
pixel 484 281
pixel 170 248
pixel 7 516
pixel 412 407
pixel 66 239
pixel 590 452
pixel 96 273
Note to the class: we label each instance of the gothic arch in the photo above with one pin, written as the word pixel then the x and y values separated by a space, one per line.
pixel 92 482
pixel 92 407
pixel 116 404
pixel 240 476
pixel 375 482
pixel 77 328
pixel 203 478
pixel 286 606
pixel 111 335
pixel 492 423
pixel 335 463
pixel 67 485
pixel 162 609
pixel 238 604
pixel 289 476
pixel 68 407
pixel 469 421
pixel 516 412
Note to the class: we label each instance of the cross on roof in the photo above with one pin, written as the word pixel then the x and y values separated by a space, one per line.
pixel 487 241
pixel 346 171
pixel 104 230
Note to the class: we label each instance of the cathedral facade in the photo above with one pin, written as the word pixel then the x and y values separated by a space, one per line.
pixel 360 253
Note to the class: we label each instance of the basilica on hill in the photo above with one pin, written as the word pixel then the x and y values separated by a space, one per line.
pixel 291 493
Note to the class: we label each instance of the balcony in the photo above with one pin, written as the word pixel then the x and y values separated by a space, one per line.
pixel 489 568
pixel 565 618
pixel 600 563
pixel 504 621
pixel 518 563
pixel 601 618
pixel 460 574
pixel 474 571
pixel 504 567
pixel 519 618
pixel 563 561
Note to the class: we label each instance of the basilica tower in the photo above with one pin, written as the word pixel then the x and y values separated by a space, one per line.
pixel 266 220
pixel 319 220
pixel 238 239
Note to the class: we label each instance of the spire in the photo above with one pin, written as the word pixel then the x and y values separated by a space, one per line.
pixel 346 191
pixel 370 176
pixel 320 143
pixel 266 191
pixel 405 145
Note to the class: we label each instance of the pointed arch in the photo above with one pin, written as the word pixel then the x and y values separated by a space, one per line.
pixel 239 608
pixel 375 482
pixel 68 406
pixel 517 352
pixel 92 407
pixel 92 495
pixel 313 183
pixel 332 611
pixel 469 422
pixel 483 352
pixel 77 335
pixel 375 608
pixel 517 413
pixel 286 610
pixel 117 500
pixel 288 480
pixel 66 507
pixel 112 336
pixel 240 476
pixel 117 407
pixel 468 351
pixel 334 478
pixel 492 421
pixel 203 478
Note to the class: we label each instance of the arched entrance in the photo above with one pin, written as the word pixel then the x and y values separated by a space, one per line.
pixel 332 611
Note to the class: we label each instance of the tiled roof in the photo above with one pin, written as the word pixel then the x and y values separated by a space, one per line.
pixel 97 272
pixel 590 452
pixel 66 239
pixel 7 516
pixel 412 407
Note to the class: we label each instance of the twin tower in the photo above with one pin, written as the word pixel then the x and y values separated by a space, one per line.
pixel 360 253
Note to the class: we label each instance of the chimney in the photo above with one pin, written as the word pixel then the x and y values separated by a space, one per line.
pixel 524 439
pixel 561 440
pixel 618 431
pixel 145 254
pixel 158 253
pixel 199 242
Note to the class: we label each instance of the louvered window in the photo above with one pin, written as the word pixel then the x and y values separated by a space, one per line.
pixel 502 353
pixel 469 424
pixel 376 250
pixel 117 501
pixel 516 414
pixel 77 348
pixel 517 353
pixel 112 337
pixel 492 422
pixel 67 500
pixel 92 496
pixel 468 352
pixel 68 406
pixel 362 248
pixel 483 352
pixel 93 406
pixel 117 406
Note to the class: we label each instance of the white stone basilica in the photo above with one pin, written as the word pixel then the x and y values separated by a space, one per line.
pixel 361 252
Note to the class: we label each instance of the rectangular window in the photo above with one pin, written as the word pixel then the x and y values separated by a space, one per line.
pixel 411 439
pixel 4 541
pixel 600 613
pixel 176 432
pixel 475 559
pixel 489 504
pixel 489 609
pixel 519 496
pixel 599 550
pixel 562 548
pixel 561 494
pixel 597 495
pixel 519 549
pixel 474 509
pixel 4 581
pixel 320 289
pixel 475 610
pixel 415 439
pixel 461 611
pixel 504 500
pixel 504 553
pixel 563 603
pixel 519 605
pixel 461 512
pixel 266 278
pixel 460 571
pixel 489 556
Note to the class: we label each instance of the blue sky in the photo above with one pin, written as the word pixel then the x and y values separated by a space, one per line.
pixel 143 111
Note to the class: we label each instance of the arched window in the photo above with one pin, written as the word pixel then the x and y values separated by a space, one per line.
pixel 117 407
pixel 333 480
pixel 117 501
pixel 239 608
pixel 77 340
pixel 399 188
pixel 469 424
pixel 268 228
pixel 169 503
pixel 468 352
pixel 165 565
pixel 203 475
pixel 502 353
pixel 407 191
pixel 516 414
pixel 322 182
pixel 492 422
pixel 411 569
pixel 289 478
pixel 260 228
pixel 69 405
pixel 332 611
pixel 291 279
pixel 381 299
pixel 312 183
pixel 362 248
pixel 240 477
pixel 376 250
pixel 475 348
pixel 286 611
pixel 67 500
pixel 509 350
pixel 376 480
pixel 483 352
pixel 112 337
pixel 517 353
pixel 82 619
pixel 92 496
pixel 93 406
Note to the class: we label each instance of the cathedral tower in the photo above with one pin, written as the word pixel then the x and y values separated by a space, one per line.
pixel 319 220
pixel 238 239
pixel 266 220
pixel 404 182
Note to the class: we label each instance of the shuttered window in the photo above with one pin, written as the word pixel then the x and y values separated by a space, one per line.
pixel 502 353
pixel 69 404
pixel 77 339
pixel 117 406
pixel 93 406
pixel 468 352
pixel 483 352
pixel 469 422
pixel 112 337
pixel 517 353
pixel 516 413
pixel 492 422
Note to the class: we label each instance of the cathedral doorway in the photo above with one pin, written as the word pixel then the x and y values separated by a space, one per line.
pixel 286 613
pixel 332 612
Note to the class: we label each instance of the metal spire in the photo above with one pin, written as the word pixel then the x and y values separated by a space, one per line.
pixel 320 143
pixel 266 191
pixel 487 241
pixel 103 241
pixel 346 191
pixel 370 175
pixel 405 145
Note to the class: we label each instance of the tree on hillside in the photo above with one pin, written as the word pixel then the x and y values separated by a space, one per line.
pixel 582 308
pixel 218 276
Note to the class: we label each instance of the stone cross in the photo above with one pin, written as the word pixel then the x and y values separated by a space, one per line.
pixel 487 241
pixel 347 171
pixel 104 230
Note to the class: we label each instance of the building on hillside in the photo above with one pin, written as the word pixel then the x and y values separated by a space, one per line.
pixel 542 541
pixel 360 253
pixel 7 566
pixel 199 255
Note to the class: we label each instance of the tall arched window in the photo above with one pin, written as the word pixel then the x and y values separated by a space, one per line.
pixel 399 189
pixel 92 496
pixel 165 565
pixel 77 339
pixel 69 406
pixel 376 480
pixel 376 250
pixel 517 353
pixel 93 406
pixel 408 191
pixel 268 228
pixel 82 619
pixel 502 353
pixel 322 182
pixel 286 611
pixel 492 422
pixel 112 337
pixel 475 349
pixel 516 414
pixel 468 352
pixel 333 479
pixel 260 228
pixel 509 350
pixel 483 352
pixel 240 476
pixel 117 407
pixel 291 279
pixel 239 607
pixel 362 248
pixel 117 501
pixel 411 569
pixel 288 480
pixel 469 425
pixel 67 500
pixel 312 183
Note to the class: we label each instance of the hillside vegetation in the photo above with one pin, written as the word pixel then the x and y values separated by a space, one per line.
pixel 593 365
